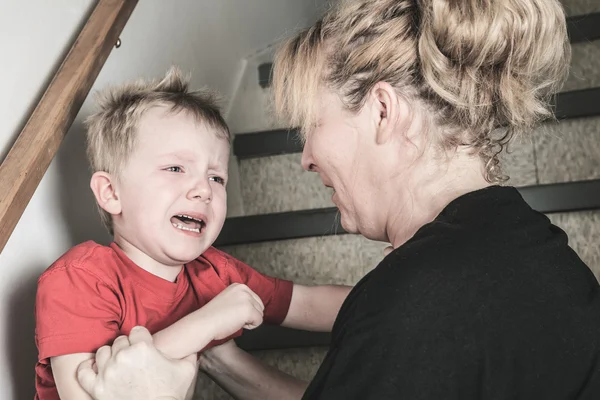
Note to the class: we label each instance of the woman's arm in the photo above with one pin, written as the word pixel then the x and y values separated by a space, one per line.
pixel 315 308
pixel 246 378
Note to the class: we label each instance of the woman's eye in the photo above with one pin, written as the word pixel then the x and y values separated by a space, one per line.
pixel 218 180
pixel 174 169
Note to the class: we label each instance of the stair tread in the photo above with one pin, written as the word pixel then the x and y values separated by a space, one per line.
pixel 548 198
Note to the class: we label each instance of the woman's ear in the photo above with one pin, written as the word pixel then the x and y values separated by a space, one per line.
pixel 105 192
pixel 392 112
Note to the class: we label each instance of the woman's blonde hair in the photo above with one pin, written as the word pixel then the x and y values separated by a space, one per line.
pixel 477 65
pixel 112 130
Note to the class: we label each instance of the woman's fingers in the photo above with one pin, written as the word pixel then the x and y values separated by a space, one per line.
pixel 86 375
pixel 102 356
pixel 120 343
pixel 139 334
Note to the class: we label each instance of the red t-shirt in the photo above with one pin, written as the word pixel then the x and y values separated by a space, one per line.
pixel 95 293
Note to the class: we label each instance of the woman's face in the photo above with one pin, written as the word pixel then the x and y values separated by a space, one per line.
pixel 343 150
pixel 388 178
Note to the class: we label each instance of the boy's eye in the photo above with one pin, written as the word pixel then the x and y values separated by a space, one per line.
pixel 218 179
pixel 174 169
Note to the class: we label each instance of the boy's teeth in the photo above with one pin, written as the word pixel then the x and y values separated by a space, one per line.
pixel 187 221
pixel 188 217
pixel 185 228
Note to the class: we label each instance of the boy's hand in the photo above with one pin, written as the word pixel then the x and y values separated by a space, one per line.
pixel 234 308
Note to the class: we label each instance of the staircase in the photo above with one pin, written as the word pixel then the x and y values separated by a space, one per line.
pixel 287 226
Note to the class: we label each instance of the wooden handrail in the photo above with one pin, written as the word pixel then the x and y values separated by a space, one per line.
pixel 38 142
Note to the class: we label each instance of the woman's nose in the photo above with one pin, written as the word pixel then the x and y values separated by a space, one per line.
pixel 308 163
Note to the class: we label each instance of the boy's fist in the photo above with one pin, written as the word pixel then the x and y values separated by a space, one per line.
pixel 234 308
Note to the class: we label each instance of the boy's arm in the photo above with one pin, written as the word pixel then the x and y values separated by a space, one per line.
pixel 187 336
pixel 234 308
pixel 76 312
pixel 64 369
pixel 315 308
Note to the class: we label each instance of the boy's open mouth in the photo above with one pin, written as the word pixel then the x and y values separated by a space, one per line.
pixel 187 223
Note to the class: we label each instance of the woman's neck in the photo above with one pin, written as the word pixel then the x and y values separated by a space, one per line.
pixel 431 187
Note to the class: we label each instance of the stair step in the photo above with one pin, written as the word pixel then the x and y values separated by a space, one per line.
pixel 575 8
pixel 279 184
pixel 568 151
pixel 583 229
pixel 267 143
pixel 549 198
pixel 568 105
pixel 268 337
pixel 553 153
pixel 334 259
pixel 584 28
pixel 584 72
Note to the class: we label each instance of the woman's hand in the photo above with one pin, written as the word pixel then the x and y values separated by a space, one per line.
pixel 133 369
pixel 388 250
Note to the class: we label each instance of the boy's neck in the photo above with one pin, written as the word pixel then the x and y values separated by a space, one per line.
pixel 147 263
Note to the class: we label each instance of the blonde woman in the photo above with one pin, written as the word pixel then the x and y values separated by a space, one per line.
pixel 404 107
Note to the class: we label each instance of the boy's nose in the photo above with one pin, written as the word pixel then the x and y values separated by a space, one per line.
pixel 201 191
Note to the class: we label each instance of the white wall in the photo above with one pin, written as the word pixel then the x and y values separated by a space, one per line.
pixel 209 38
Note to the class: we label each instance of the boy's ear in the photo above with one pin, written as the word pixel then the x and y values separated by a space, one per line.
pixel 105 192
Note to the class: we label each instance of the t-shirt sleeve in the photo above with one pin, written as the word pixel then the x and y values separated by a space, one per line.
pixel 75 312
pixel 276 294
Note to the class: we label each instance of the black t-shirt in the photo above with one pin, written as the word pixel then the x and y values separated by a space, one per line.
pixel 488 301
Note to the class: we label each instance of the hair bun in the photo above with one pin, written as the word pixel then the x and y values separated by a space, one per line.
pixel 494 62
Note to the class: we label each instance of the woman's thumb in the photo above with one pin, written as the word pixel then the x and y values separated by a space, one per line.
pixel 388 250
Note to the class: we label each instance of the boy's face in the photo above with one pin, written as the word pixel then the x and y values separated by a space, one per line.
pixel 172 189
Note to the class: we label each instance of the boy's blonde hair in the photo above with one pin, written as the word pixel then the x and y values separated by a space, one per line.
pixel 112 131
pixel 474 66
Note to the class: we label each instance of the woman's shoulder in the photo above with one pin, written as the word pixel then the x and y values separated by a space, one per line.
pixel 458 271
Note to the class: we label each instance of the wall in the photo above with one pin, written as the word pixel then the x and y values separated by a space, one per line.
pixel 211 39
